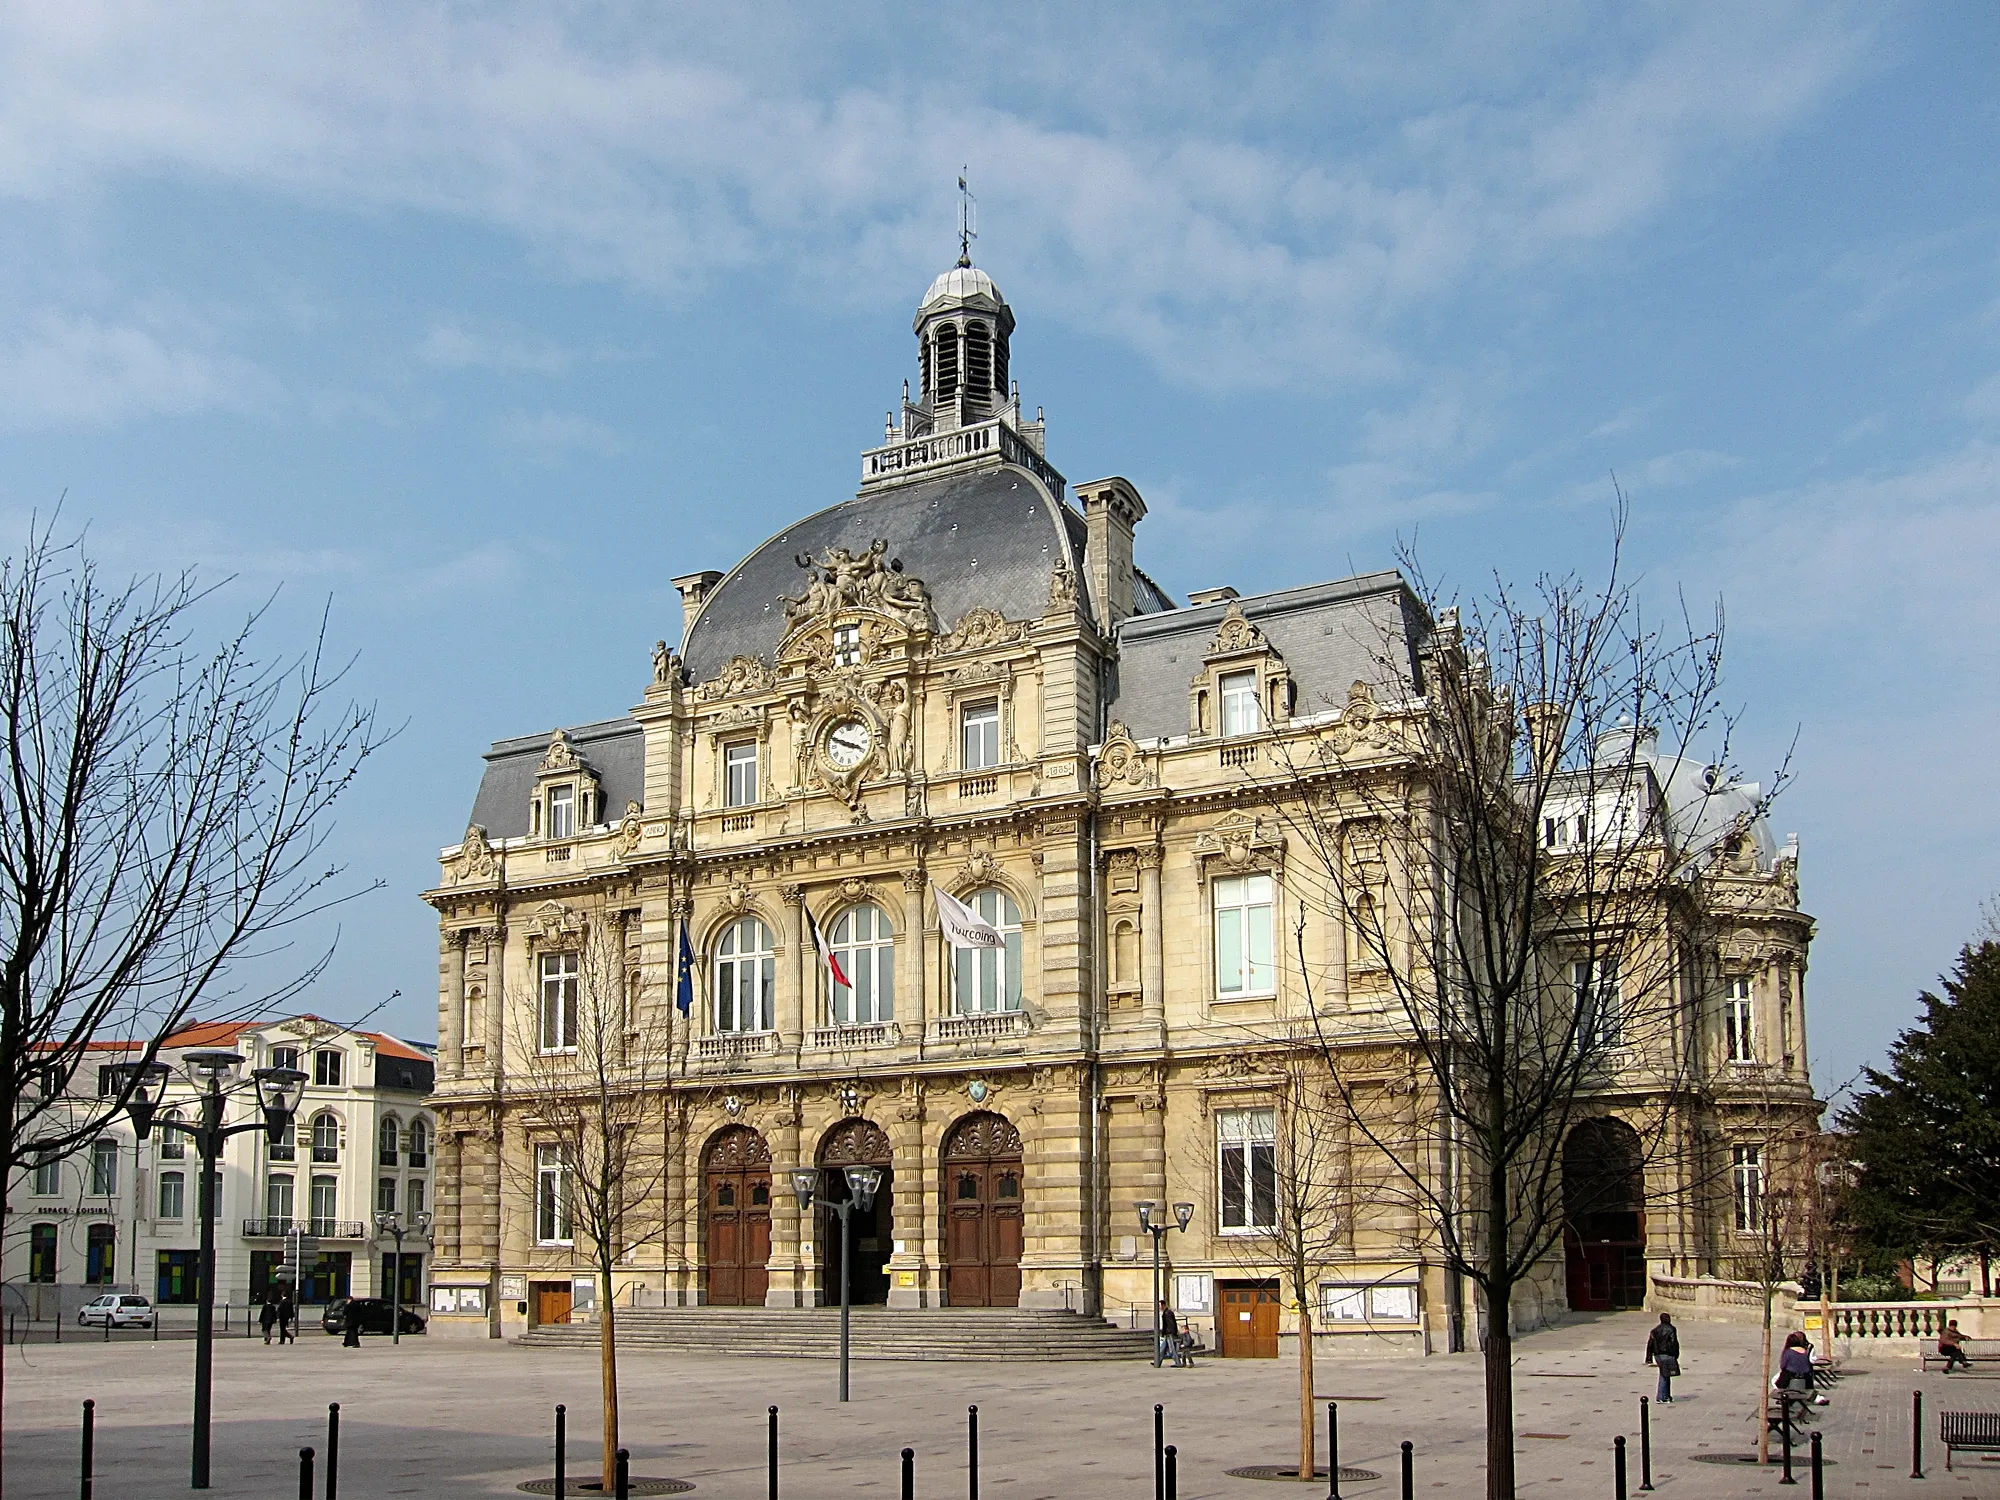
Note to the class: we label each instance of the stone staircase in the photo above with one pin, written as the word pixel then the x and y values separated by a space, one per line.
pixel 1005 1333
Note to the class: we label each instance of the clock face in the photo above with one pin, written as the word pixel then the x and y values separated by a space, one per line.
pixel 848 743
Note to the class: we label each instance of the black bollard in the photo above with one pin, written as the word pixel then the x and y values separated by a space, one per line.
pixel 1785 1410
pixel 1819 1479
pixel 1916 1434
pixel 909 1474
pixel 972 1453
pixel 1173 1472
pixel 773 1465
pixel 89 1444
pixel 332 1450
pixel 1159 1452
pixel 562 1437
pixel 1332 1451
pixel 305 1474
pixel 623 1460
pixel 1645 1444
pixel 1409 1471
pixel 1618 1465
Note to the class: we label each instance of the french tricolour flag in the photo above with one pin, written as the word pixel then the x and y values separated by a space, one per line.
pixel 826 955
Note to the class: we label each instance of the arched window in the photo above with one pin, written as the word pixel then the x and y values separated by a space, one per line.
pixel 744 973
pixel 947 360
pixel 864 949
pixel 1000 367
pixel 990 978
pixel 389 1142
pixel 326 1138
pixel 420 1144
pixel 173 1145
pixel 978 360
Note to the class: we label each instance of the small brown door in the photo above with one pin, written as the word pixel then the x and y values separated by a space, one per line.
pixel 1246 1323
pixel 982 1231
pixel 736 1188
pixel 552 1302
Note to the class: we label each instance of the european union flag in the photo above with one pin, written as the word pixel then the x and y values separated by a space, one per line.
pixel 684 984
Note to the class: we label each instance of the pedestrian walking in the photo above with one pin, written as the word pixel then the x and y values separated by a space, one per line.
pixel 1663 1352
pixel 267 1317
pixel 287 1313
pixel 1951 1344
pixel 350 1322
pixel 1170 1334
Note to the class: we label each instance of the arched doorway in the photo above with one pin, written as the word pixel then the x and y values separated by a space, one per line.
pixel 736 1197
pixel 1604 1216
pixel 982 1212
pixel 855 1143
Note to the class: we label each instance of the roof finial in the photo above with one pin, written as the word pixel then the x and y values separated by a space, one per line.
pixel 968 220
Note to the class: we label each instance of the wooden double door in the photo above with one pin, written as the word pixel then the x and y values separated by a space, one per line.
pixel 736 1200
pixel 1246 1320
pixel 983 1223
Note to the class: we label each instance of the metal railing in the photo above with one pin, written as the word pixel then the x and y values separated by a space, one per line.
pixel 322 1229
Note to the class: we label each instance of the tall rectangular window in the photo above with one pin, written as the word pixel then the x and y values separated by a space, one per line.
pixel 1740 1019
pixel 559 997
pixel 278 1197
pixel 562 811
pixel 103 1169
pixel 979 735
pixel 42 1253
pixel 739 774
pixel 413 1190
pixel 1600 1009
pixel 1246 1145
pixel 1748 1174
pixel 101 1255
pixel 325 1205
pixel 48 1175
pixel 326 1068
pixel 173 1195
pixel 285 1057
pixel 1241 712
pixel 552 1226
pixel 385 1195
pixel 1244 935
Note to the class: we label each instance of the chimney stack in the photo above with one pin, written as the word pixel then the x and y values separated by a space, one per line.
pixel 1111 509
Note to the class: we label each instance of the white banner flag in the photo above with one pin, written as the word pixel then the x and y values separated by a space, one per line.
pixel 964 927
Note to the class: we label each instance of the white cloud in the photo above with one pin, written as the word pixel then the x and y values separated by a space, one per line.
pixel 64 369
pixel 549 435
pixel 450 347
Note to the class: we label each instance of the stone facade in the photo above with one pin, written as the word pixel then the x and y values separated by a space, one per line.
pixel 960 680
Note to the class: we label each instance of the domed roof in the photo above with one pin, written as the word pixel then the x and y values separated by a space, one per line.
pixel 992 537
pixel 961 286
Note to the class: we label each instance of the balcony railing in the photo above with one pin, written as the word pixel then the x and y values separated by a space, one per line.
pixel 730 1048
pixel 982 1026
pixel 914 455
pixel 853 1038
pixel 320 1229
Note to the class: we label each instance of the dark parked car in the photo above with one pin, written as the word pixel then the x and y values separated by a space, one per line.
pixel 374 1315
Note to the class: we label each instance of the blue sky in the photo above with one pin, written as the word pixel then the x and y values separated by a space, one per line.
pixel 486 321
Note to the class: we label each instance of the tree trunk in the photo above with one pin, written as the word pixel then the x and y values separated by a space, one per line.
pixel 607 1344
pixel 1307 1427
pixel 1764 1383
pixel 1500 1392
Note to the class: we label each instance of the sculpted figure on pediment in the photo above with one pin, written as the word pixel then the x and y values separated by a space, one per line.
pixel 475 857
pixel 979 628
pixel 742 674
pixel 841 579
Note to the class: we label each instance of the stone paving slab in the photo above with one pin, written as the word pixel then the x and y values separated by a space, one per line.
pixel 453 1419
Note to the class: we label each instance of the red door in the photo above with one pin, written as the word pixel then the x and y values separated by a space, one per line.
pixel 736 1197
pixel 983 1224
pixel 1246 1321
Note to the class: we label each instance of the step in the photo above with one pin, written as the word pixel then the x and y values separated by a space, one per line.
pixel 876 1333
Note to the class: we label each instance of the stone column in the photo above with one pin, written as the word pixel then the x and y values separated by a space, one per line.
pixel 616 922
pixel 915 1206
pixel 794 991
pixel 450 1194
pixel 1152 943
pixel 788 1285
pixel 451 1006
pixel 912 1011
pixel 496 1000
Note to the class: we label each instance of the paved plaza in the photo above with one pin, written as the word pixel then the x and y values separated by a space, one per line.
pixel 451 1419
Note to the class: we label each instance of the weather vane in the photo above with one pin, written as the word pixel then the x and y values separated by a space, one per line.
pixel 968 220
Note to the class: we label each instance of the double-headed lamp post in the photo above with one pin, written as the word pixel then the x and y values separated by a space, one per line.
pixel 214 1073
pixel 1157 1226
pixel 862 1185
pixel 391 1223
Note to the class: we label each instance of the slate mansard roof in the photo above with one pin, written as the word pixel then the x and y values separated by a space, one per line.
pixel 615 749
pixel 992 537
pixel 1331 635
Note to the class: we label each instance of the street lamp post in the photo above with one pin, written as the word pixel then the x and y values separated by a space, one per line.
pixel 862 1185
pixel 390 1222
pixel 213 1072
pixel 1157 1228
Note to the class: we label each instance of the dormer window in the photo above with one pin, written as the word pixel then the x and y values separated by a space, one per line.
pixel 1241 713
pixel 847 645
pixel 739 774
pixel 1566 831
pixel 562 812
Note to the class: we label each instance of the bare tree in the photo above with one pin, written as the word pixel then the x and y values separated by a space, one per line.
pixel 1488 842
pixel 595 1101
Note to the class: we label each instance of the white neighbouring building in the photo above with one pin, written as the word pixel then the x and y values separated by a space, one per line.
pixel 119 1214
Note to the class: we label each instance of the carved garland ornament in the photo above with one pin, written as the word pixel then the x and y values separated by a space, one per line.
pixel 1361 723
pixel 979 628
pixel 475 857
pixel 740 674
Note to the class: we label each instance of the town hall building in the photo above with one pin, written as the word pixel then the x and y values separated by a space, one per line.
pixel 960 680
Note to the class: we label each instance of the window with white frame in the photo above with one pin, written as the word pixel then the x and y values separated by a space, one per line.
pixel 413 1190
pixel 561 976
pixel 1244 929
pixel 745 972
pixel 1246 1142
pixel 326 1067
pixel 388 1143
pixel 1241 711
pixel 1565 830
pixel 173 1145
pixel 48 1175
pixel 562 811
pixel 864 946
pixel 278 1197
pixel 285 1057
pixel 173 1195
pixel 1740 1020
pixel 325 1206
pixel 103 1169
pixel 979 735
pixel 1600 1008
pixel 1747 1173
pixel 326 1137
pixel 552 1220
pixel 420 1144
pixel 739 774
pixel 847 645
pixel 385 1195
pixel 989 979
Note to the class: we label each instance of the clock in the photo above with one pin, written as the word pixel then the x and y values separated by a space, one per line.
pixel 848 743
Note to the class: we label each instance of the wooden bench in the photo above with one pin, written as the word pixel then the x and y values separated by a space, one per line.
pixel 1978 1351
pixel 1971 1431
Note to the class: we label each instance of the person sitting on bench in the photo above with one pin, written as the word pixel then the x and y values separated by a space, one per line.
pixel 1951 1344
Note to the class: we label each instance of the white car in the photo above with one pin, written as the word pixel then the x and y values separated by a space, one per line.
pixel 118 1311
